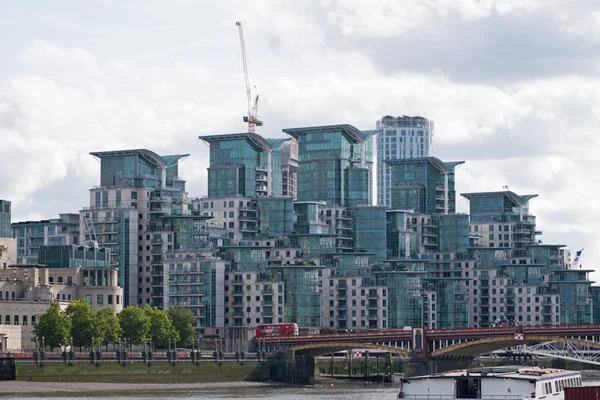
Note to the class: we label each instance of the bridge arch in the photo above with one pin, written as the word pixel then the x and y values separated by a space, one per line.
pixel 487 345
pixel 323 348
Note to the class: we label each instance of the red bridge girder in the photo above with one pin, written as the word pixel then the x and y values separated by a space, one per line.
pixel 433 334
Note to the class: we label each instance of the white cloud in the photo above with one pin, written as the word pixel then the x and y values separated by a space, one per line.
pixel 47 54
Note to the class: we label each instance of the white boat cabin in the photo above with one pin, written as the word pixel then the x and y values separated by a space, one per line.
pixel 497 383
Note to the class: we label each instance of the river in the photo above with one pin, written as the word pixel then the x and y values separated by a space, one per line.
pixel 335 391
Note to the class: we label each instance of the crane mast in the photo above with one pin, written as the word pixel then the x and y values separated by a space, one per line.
pixel 251 118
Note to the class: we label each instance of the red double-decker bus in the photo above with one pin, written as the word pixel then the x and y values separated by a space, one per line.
pixel 277 330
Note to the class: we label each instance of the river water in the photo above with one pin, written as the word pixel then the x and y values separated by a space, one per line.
pixel 335 391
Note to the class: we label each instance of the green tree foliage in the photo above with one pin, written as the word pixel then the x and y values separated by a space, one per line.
pixel 183 322
pixel 54 326
pixel 135 324
pixel 161 328
pixel 107 326
pixel 83 323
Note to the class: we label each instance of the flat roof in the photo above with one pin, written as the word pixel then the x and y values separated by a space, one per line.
pixel 255 138
pixel 515 198
pixel 442 166
pixel 353 132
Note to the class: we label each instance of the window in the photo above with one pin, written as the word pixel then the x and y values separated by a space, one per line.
pixel 100 299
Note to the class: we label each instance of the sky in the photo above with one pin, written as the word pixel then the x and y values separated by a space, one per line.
pixel 513 87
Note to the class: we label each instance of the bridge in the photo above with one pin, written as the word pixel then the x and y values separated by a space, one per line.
pixel 434 346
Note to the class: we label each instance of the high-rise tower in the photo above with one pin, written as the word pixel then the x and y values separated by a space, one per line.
pixel 242 164
pixel 398 138
pixel 334 164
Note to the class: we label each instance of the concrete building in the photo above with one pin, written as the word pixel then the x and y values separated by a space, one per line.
pixel 10 339
pixel 32 235
pixel 27 290
pixel 399 138
pixel 8 252
pixel 289 169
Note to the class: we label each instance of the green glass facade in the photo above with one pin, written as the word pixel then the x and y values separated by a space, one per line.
pixel 308 218
pixel 497 206
pixel 243 164
pixel 575 300
pixel 595 295
pixel 452 302
pixel 275 216
pixel 370 231
pixel 138 168
pixel 403 280
pixel 453 232
pixel 424 185
pixel 334 164
pixel 313 245
pixel 74 256
pixel 5 215
pixel 302 298
pixel 400 241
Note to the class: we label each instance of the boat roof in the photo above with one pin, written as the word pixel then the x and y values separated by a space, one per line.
pixel 512 372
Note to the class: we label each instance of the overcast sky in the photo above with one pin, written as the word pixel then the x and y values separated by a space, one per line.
pixel 513 87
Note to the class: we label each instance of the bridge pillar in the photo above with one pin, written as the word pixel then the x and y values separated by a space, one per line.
pixel 303 368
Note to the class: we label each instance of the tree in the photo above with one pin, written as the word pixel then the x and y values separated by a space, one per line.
pixel 83 323
pixel 183 322
pixel 108 328
pixel 161 328
pixel 53 327
pixel 135 324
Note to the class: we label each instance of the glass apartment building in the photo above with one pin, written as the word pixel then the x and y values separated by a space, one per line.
pixel 502 219
pixel 369 231
pixel 334 164
pixel 32 235
pixel 5 214
pixel 243 164
pixel 400 137
pixel 137 188
pixel 74 257
pixel 424 185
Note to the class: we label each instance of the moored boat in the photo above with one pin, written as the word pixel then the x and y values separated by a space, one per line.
pixel 496 383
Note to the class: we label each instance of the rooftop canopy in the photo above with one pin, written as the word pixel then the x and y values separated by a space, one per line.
pixel 350 130
pixel 515 198
pixel 256 139
pixel 444 167
pixel 161 161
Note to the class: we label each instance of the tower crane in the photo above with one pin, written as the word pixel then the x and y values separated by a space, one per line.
pixel 251 118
